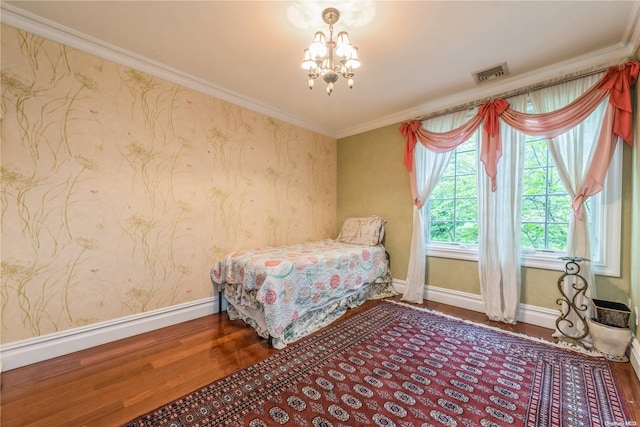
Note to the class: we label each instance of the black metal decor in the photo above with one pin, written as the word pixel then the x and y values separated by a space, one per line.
pixel 568 304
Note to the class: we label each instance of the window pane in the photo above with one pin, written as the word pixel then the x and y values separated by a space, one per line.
pixel 466 186
pixel 532 235
pixel 535 181
pixel 467 162
pixel 467 232
pixel 560 209
pixel 555 186
pixel 441 209
pixel 453 205
pixel 534 209
pixel 445 188
pixel 467 209
pixel 441 231
pixel 557 237
pixel 546 207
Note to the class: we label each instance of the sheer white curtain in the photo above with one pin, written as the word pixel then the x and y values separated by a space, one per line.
pixel 499 225
pixel 429 167
pixel 572 153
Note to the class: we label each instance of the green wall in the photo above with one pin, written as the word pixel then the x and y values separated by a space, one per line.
pixel 635 224
pixel 373 180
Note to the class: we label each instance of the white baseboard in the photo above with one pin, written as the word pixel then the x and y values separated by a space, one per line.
pixel 531 314
pixel 26 352
pixel 33 350
pixel 634 356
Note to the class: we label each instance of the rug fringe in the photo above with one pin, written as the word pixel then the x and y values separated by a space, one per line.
pixel 559 344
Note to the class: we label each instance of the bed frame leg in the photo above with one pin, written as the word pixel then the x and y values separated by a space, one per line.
pixel 270 341
pixel 220 302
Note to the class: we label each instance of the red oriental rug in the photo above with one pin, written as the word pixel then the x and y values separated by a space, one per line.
pixel 395 365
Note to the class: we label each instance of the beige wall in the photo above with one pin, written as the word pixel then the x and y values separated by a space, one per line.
pixel 120 190
pixel 373 179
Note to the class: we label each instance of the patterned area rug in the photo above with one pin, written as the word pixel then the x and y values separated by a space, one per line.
pixel 394 365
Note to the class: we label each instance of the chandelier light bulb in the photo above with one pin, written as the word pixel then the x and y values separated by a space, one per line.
pixel 343 48
pixel 354 59
pixel 318 47
pixel 308 64
pixel 331 58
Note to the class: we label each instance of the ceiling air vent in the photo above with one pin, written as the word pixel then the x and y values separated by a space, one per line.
pixel 492 73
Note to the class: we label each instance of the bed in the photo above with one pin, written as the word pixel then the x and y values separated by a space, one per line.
pixel 288 292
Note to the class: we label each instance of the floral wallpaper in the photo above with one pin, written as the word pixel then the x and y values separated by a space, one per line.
pixel 121 190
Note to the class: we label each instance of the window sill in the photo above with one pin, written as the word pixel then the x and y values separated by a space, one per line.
pixel 541 260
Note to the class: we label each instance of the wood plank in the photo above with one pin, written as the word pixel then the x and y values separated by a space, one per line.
pixel 116 382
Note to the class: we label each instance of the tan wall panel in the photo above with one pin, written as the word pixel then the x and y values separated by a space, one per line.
pixel 120 190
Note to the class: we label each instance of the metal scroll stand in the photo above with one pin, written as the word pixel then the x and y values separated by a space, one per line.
pixel 580 285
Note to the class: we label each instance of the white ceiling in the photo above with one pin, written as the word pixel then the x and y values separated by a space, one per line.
pixel 417 56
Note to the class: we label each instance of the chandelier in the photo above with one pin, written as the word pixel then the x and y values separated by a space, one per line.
pixel 331 59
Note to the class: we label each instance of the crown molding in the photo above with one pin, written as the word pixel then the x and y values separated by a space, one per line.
pixel 592 60
pixel 50 30
pixel 627 48
pixel 27 21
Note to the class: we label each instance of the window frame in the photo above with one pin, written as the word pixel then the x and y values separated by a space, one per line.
pixel 606 259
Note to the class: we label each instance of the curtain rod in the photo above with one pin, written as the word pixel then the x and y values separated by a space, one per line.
pixel 526 89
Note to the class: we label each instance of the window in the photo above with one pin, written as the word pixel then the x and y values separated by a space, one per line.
pixel 452 212
pixel 453 203
pixel 546 206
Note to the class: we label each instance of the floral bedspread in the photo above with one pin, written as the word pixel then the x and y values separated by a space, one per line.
pixel 289 281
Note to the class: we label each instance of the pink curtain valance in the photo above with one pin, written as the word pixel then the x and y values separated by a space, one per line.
pixel 409 130
pixel 616 84
pixel 618 81
pixel 439 142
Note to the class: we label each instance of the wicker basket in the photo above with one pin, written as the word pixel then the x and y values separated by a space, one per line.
pixel 612 313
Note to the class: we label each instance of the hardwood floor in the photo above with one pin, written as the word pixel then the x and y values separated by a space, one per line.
pixel 116 382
